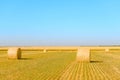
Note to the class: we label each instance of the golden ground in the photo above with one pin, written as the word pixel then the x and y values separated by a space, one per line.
pixel 36 65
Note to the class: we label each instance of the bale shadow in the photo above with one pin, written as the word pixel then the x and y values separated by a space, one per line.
pixel 25 58
pixel 96 61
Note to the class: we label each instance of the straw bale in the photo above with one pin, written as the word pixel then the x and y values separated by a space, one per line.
pixel 83 55
pixel 14 53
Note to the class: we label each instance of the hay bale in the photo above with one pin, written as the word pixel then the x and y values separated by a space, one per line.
pixel 14 53
pixel 44 50
pixel 83 55
pixel 106 50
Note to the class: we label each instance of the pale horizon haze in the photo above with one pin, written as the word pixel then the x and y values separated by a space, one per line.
pixel 59 22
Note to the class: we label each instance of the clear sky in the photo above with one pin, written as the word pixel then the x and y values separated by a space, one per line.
pixel 59 22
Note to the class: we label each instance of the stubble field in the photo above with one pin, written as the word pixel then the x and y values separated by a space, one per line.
pixel 36 65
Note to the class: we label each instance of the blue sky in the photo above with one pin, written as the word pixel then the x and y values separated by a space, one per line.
pixel 59 22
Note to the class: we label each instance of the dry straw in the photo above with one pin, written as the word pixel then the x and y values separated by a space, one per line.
pixel 44 50
pixel 14 53
pixel 83 55
pixel 106 50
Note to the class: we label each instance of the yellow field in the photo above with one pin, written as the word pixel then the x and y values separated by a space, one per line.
pixel 36 65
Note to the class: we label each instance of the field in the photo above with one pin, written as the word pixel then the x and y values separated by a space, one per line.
pixel 36 65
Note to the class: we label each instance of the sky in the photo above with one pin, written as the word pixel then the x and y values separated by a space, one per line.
pixel 59 22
